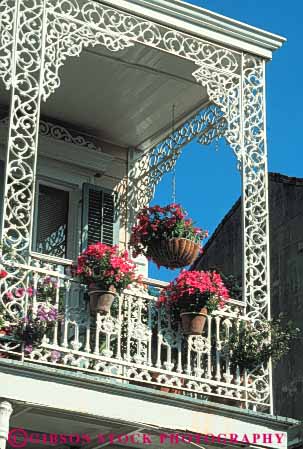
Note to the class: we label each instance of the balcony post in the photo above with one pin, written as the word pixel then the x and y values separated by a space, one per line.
pixel 256 275
pixel 6 410
pixel 255 207
pixel 27 63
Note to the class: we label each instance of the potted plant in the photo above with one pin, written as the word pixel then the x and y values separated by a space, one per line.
pixel 106 272
pixel 250 345
pixel 192 296
pixel 32 328
pixel 167 236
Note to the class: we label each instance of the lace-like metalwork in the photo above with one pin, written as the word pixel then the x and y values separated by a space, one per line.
pixel 36 38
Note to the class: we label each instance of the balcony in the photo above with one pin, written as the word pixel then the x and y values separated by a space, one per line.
pixel 137 343
pixel 86 135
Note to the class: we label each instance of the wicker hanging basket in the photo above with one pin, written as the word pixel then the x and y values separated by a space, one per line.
pixel 173 253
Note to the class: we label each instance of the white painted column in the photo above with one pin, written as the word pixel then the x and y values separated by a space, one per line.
pixel 5 413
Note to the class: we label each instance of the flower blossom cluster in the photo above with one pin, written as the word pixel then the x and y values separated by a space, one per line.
pixel 45 290
pixel 205 288
pixel 44 313
pixel 47 313
pixel 104 266
pixel 158 223
pixel 3 274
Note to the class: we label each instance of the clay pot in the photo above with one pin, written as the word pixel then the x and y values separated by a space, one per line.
pixel 193 322
pixel 100 300
pixel 173 253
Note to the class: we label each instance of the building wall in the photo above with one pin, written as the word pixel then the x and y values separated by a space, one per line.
pixel 63 161
pixel 224 251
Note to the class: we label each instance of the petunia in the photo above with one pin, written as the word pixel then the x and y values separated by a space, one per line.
pixel 19 292
pixel 28 349
pixel 3 274
pixel 9 295
pixel 55 355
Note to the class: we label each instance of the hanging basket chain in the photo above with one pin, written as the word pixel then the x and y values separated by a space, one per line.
pixel 174 167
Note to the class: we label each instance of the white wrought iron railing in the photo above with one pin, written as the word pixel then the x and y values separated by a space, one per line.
pixel 136 343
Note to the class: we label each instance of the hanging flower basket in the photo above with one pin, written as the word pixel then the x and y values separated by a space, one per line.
pixel 173 253
pixel 166 236
pixel 192 296
pixel 107 272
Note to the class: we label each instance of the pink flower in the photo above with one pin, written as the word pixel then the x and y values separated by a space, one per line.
pixel 9 295
pixel 158 223
pixel 19 292
pixel 55 355
pixel 30 291
pixel 28 349
pixel 3 274
pixel 194 283
pixel 105 265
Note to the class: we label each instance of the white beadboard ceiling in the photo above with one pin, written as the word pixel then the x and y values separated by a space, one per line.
pixel 124 97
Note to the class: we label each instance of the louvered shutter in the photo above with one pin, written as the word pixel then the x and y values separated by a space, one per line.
pixel 98 216
pixel 2 180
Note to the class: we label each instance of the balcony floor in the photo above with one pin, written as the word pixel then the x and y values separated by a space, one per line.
pixel 52 401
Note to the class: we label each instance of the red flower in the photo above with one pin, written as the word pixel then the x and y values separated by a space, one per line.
pixel 195 283
pixel 104 265
pixel 158 223
pixel 3 274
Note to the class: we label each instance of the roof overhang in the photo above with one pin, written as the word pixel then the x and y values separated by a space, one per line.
pixel 204 24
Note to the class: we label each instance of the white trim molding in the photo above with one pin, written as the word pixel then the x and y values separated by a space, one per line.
pixel 205 24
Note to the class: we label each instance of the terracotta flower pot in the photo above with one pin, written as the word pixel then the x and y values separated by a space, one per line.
pixel 193 322
pixel 173 253
pixel 100 300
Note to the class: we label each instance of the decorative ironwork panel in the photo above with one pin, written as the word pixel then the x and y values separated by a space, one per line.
pixel 255 194
pixel 75 24
pixel 148 169
pixel 36 38
pixel 225 91
pixel 8 10
pixel 60 133
pixel 26 72
pixel 137 342
pixel 67 37
pixel 23 128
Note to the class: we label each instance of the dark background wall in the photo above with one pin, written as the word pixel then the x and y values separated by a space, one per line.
pixel 224 251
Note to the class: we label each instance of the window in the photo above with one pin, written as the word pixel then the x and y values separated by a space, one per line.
pixel 98 216
pixel 52 221
pixel 57 225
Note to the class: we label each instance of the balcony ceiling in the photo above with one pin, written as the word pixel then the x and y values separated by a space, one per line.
pixel 126 97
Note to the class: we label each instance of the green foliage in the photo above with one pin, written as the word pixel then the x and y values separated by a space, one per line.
pixel 195 303
pixel 251 345
pixel 7 250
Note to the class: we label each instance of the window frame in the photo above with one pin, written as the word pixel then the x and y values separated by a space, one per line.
pixel 72 246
